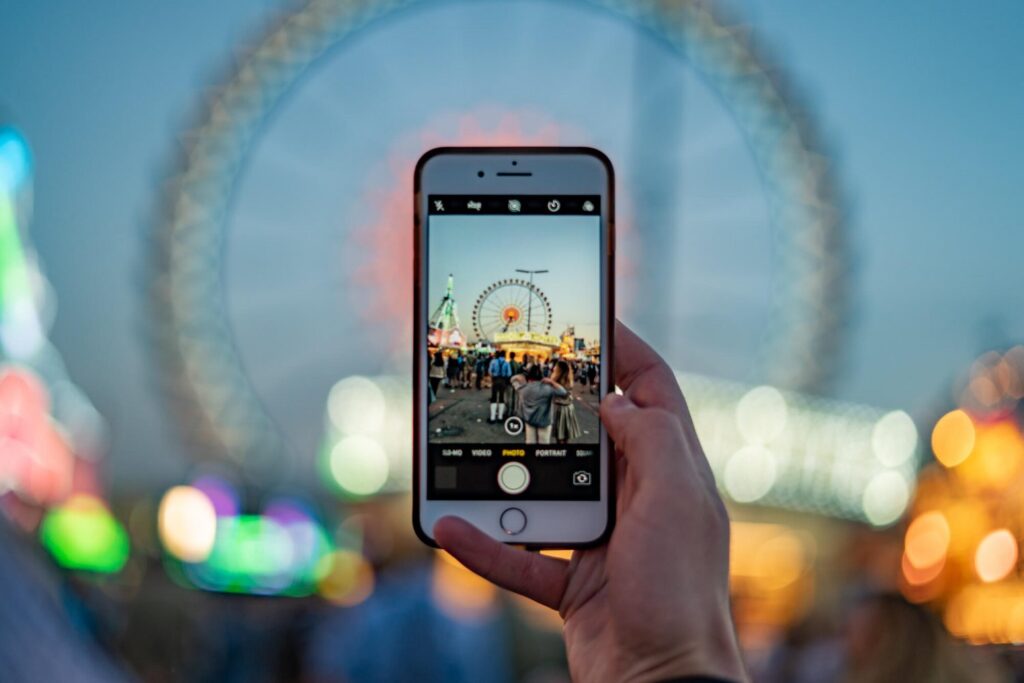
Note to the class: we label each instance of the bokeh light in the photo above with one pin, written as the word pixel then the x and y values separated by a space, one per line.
pixel 996 556
pixel 347 578
pixel 15 159
pixel 953 438
pixel 309 542
pixel 356 406
pixel 997 457
pixel 987 613
pixel 221 493
pixel 81 534
pixel 916 577
pixel 367 443
pixel 894 438
pixel 750 473
pixel 187 523
pixel 770 571
pixel 252 554
pixel 804 453
pixel 35 459
pixel 1013 374
pixel 359 465
pixel 885 498
pixel 927 540
pixel 459 592
pixel 780 561
pixel 761 414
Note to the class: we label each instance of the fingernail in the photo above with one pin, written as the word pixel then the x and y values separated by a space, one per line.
pixel 615 403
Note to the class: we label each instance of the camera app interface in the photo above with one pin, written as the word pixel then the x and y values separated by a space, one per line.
pixel 513 351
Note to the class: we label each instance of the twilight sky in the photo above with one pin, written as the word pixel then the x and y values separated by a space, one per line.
pixel 920 107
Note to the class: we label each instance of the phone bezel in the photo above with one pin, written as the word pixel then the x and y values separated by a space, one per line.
pixel 553 170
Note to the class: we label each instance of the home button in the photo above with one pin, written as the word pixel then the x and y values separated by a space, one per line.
pixel 513 521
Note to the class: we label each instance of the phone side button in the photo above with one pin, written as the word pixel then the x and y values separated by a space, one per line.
pixel 513 521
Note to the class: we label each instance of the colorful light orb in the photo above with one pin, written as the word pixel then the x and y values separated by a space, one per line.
pixel 34 457
pixel 987 613
pixel 761 414
pixel 953 438
pixel 1011 373
pixel 969 520
pixel 81 534
pixel 894 438
pixel 997 456
pixel 771 569
pixel 780 561
pixel 310 543
pixel 927 540
pixel 281 553
pixel 347 579
pixel 996 556
pixel 15 160
pixel 458 592
pixel 221 494
pixel 750 473
pixel 187 523
pixel 917 577
pixel 359 465
pixel 251 554
pixel 885 497
pixel 356 405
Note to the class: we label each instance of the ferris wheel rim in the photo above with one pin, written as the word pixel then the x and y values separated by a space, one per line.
pixel 226 415
pixel 494 287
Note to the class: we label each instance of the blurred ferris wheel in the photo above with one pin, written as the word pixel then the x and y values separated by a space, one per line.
pixel 511 305
pixel 280 260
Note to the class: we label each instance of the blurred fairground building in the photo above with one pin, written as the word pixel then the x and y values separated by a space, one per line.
pixel 235 505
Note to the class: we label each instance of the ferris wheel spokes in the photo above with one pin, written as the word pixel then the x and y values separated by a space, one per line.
pixel 513 305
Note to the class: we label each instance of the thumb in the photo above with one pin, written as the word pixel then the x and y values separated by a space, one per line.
pixel 535 576
pixel 616 412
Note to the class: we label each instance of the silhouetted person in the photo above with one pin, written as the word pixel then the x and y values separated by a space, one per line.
pixel 564 425
pixel 436 372
pixel 500 372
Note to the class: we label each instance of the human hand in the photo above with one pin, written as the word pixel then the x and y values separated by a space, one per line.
pixel 652 604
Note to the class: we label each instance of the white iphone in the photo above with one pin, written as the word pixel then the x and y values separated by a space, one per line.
pixel 514 310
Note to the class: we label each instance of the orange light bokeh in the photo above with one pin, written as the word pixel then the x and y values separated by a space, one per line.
pixel 997 457
pixel 996 556
pixel 927 541
pixel 953 438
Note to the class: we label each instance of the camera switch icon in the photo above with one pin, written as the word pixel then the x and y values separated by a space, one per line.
pixel 581 478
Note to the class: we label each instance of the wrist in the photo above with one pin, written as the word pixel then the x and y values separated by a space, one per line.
pixel 718 658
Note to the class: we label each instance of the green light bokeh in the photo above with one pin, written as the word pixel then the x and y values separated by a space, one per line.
pixel 85 538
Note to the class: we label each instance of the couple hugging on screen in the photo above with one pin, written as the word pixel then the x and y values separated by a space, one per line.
pixel 544 403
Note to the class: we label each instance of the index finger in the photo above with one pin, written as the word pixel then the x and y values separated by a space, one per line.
pixel 643 375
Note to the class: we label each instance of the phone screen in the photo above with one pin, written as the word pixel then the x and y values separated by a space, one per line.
pixel 513 365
